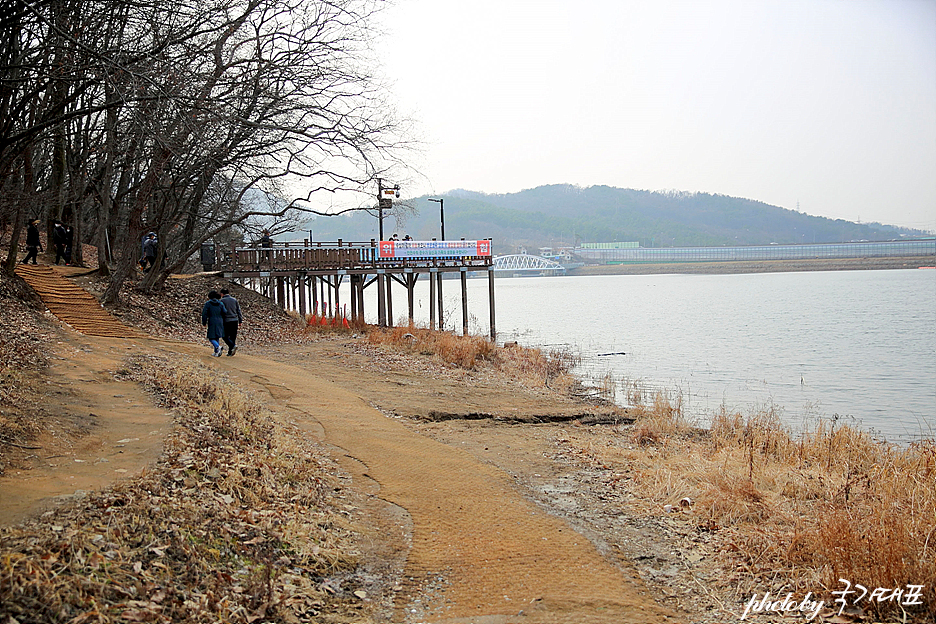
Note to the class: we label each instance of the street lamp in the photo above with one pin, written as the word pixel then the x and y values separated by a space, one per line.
pixel 441 203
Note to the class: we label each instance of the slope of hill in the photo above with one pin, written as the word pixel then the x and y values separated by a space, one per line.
pixel 563 214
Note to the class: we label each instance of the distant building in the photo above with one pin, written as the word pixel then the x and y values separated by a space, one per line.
pixel 618 253
pixel 619 245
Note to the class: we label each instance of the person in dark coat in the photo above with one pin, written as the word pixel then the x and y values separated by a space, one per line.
pixel 69 241
pixel 33 246
pixel 58 241
pixel 232 320
pixel 150 247
pixel 212 316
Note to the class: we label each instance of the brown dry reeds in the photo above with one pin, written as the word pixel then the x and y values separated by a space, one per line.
pixel 530 366
pixel 798 510
pixel 233 524
pixel 449 348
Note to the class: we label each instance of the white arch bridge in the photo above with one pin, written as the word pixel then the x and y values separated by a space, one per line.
pixel 526 265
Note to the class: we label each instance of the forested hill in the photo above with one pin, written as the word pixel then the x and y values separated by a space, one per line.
pixel 563 214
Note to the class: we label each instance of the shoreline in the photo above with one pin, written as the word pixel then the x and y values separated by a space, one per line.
pixel 702 520
pixel 759 266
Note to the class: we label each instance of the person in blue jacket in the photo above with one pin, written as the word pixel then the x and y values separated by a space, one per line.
pixel 212 316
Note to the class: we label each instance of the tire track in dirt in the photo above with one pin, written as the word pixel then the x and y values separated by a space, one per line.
pixel 481 552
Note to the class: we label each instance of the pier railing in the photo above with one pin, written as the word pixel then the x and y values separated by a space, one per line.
pixel 350 256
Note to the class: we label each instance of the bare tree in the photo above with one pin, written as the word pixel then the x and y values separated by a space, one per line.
pixel 188 118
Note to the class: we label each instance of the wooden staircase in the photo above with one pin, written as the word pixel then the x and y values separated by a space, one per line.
pixel 72 304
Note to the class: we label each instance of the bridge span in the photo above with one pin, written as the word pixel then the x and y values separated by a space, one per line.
pixel 521 265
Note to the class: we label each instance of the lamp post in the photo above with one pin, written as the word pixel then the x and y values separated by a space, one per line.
pixel 441 202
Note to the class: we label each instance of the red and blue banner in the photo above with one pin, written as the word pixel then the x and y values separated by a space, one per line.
pixel 433 249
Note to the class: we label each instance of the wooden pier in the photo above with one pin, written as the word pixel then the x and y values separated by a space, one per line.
pixel 306 276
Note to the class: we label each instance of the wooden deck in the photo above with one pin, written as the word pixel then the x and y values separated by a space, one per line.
pixel 306 276
pixel 350 257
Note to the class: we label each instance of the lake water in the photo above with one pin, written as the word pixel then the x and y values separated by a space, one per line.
pixel 857 344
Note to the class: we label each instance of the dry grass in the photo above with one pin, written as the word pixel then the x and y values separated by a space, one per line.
pixel 451 349
pixel 797 512
pixel 24 334
pixel 234 524
pixel 531 367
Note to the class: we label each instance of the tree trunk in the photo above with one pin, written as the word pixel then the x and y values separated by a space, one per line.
pixel 127 260
pixel 26 182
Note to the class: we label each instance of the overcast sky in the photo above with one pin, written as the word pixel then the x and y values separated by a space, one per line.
pixel 829 103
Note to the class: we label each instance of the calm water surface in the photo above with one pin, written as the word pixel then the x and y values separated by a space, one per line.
pixel 857 344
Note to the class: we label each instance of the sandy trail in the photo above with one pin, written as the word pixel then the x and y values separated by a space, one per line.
pixel 479 550
pixel 479 547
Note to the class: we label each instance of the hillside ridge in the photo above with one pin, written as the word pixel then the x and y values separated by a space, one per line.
pixel 566 215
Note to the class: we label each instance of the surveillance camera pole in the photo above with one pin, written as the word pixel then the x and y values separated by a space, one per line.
pixel 380 207
pixel 381 282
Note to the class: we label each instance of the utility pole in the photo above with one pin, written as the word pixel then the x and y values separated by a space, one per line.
pixel 441 202
pixel 384 201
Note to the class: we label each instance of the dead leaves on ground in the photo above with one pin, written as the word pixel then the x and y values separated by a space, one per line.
pixel 235 523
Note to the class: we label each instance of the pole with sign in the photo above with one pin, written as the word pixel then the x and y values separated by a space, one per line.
pixel 384 202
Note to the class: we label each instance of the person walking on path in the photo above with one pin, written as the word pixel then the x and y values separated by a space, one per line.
pixel 149 252
pixel 58 241
pixel 69 241
pixel 33 246
pixel 212 316
pixel 232 320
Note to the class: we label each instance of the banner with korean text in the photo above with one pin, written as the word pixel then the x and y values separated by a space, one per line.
pixel 434 249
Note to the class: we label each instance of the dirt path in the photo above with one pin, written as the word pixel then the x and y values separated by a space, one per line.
pixel 99 429
pixel 476 548
pixel 479 547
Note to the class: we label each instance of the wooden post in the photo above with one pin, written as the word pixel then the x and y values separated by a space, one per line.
pixel 352 282
pixel 303 307
pixel 313 288
pixel 361 298
pixel 432 296
pixel 338 280
pixel 381 300
pixel 281 292
pixel 464 285
pixel 324 302
pixel 410 287
pixel 389 281
pixel 441 322
pixel 491 301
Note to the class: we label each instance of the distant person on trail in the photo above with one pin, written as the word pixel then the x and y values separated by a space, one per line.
pixel 150 246
pixel 33 246
pixel 212 316
pixel 232 320
pixel 58 241
pixel 69 241
pixel 266 242
pixel 143 246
